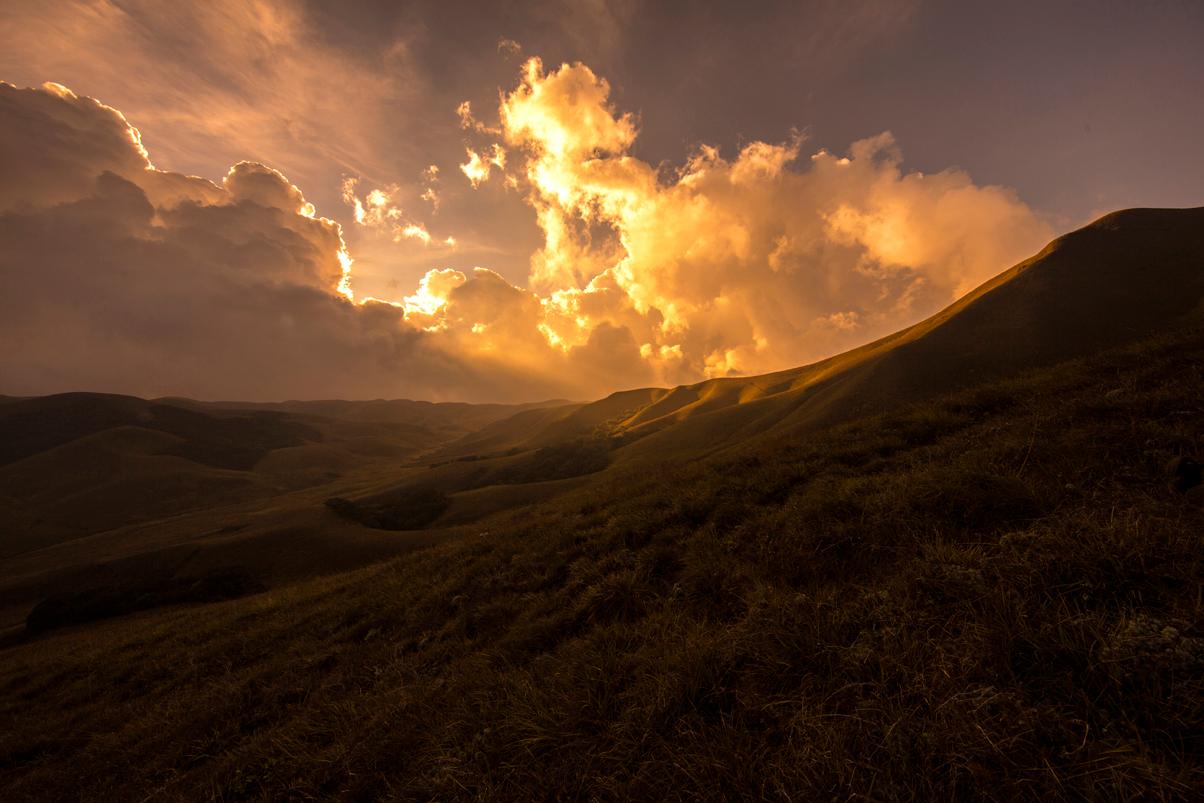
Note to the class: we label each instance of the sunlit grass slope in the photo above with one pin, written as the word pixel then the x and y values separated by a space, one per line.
pixel 1126 276
pixel 993 594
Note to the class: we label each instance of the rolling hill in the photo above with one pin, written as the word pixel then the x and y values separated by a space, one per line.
pixel 95 486
pixel 74 464
pixel 1126 276
pixel 963 561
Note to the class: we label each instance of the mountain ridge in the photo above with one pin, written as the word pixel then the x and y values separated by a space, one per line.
pixel 876 371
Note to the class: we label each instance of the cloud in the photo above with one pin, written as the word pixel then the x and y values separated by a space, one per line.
pixel 211 63
pixel 430 192
pixel 480 166
pixel 746 264
pixel 377 210
pixel 93 138
pixel 115 275
pixel 249 181
pixel 469 122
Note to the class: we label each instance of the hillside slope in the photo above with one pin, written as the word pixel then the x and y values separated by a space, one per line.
pixel 1126 276
pixel 992 595
pixel 75 464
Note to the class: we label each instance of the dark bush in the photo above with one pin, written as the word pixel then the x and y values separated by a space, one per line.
pixel 408 509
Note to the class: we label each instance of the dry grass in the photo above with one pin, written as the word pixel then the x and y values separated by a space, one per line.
pixel 995 596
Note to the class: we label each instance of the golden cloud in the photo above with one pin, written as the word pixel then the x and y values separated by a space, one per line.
pixel 742 265
pixel 378 210
pixel 728 265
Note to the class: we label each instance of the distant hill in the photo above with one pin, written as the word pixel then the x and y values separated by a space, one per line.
pixel 74 464
pixel 446 418
pixel 29 426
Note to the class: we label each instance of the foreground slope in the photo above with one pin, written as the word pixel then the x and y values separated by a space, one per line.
pixel 994 594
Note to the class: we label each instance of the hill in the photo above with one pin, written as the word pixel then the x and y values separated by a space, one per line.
pixel 80 463
pixel 96 486
pixel 963 561
pixel 446 419
pixel 990 595
pixel 1126 276
pixel 74 464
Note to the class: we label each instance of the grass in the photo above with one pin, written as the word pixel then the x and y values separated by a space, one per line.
pixel 105 602
pixel 996 595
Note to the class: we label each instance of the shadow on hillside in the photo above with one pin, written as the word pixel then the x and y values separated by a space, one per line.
pixel 416 507
pixel 106 602
pixel 408 509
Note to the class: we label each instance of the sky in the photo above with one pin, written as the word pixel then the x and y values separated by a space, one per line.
pixel 271 199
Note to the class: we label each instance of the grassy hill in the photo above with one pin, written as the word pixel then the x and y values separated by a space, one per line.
pixel 1124 277
pixel 992 594
pixel 447 420
pixel 95 487
pixel 962 561
pixel 75 464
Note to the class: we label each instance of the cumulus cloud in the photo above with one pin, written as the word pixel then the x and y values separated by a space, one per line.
pixel 115 275
pixel 746 264
pixel 480 166
pixel 120 277
pixel 377 209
